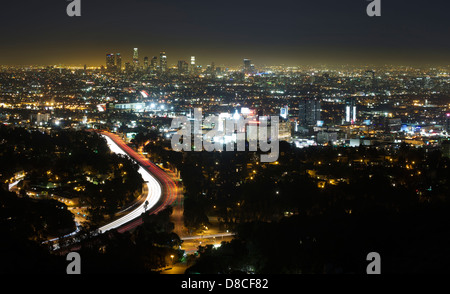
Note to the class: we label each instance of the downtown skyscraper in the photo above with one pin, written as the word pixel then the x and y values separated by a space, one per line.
pixel 154 63
pixel 192 65
pixel 113 62
pixel 110 61
pixel 135 58
pixel 247 65
pixel 163 61
pixel 118 61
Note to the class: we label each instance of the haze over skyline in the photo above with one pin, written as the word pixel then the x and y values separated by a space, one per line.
pixel 271 33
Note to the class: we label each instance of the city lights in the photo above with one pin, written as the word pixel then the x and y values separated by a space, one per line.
pixel 248 138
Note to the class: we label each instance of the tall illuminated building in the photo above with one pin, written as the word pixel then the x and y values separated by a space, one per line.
pixel 118 61
pixel 192 65
pixel 350 110
pixel 135 58
pixel 247 65
pixel 153 63
pixel 163 61
pixel 110 62
pixel 284 112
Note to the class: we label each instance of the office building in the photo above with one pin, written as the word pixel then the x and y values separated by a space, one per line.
pixel 163 61
pixel 192 67
pixel 145 63
pixel 154 63
pixel 42 118
pixel 135 58
pixel 309 112
pixel 118 62
pixel 284 131
pixel 350 110
pixel 284 112
pixel 247 65
pixel 110 62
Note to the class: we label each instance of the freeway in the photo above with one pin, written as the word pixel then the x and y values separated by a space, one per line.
pixel 161 189
pixel 207 236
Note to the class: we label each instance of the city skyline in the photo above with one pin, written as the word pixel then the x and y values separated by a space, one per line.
pixel 286 33
pixel 237 137
pixel 361 144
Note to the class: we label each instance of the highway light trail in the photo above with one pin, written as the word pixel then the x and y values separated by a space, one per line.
pixel 161 190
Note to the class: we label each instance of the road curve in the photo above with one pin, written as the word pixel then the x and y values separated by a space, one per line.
pixel 162 190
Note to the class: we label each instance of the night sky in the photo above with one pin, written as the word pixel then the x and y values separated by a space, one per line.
pixel 268 32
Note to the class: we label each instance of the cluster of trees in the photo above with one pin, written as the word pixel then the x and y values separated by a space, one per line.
pixel 414 239
pixel 24 224
pixel 149 248
pixel 23 149
pixel 37 220
pixel 79 163
pixel 398 207
pixel 116 185
pixel 393 201
pixel 146 249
